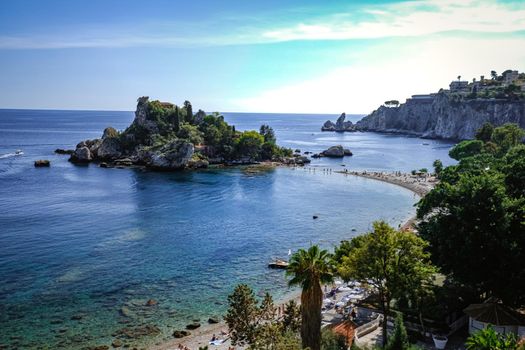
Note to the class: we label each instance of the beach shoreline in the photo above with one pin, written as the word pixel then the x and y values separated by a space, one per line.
pixel 419 184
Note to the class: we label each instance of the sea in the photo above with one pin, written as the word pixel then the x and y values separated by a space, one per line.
pixel 82 248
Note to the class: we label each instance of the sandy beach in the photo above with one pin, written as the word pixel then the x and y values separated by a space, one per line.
pixel 419 184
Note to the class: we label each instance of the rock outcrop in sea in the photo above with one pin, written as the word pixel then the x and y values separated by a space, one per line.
pixel 164 136
pixel 340 125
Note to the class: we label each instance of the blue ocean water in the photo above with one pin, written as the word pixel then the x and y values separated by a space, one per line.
pixel 95 244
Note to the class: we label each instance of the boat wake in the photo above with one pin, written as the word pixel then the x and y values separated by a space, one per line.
pixel 9 155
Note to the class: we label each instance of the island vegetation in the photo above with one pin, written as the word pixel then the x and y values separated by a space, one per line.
pixel 168 137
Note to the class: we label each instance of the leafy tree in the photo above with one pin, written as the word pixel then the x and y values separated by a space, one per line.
pixel 242 315
pixel 291 317
pixel 189 112
pixel 190 133
pixel 250 144
pixel 507 136
pixel 268 134
pixel 466 149
pixel 345 248
pixel 514 170
pixel 309 268
pixel 267 308
pixel 399 340
pixel 270 336
pixel 391 261
pixel 493 74
pixel 438 166
pixel 489 339
pixel 485 132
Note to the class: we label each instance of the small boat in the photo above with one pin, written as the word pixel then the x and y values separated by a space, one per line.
pixel 19 152
pixel 278 264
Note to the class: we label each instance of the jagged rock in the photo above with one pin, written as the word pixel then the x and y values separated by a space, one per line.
pixel 117 343
pixel 193 325
pixel 181 334
pixel 124 161
pixel 347 152
pixel 444 116
pixel 213 319
pixel 81 155
pixel 42 163
pixel 302 160
pixel 198 163
pixel 172 156
pixel 340 125
pixel 334 152
pixel 109 149
pixel 328 126
pixel 64 151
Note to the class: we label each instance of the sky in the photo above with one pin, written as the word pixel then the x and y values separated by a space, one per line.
pixel 248 55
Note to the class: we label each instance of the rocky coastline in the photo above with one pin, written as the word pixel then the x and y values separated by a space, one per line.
pixel 165 137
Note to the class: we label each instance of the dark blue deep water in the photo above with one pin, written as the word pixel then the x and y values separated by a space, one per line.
pixel 98 243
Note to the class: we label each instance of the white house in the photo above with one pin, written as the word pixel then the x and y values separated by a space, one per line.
pixel 503 319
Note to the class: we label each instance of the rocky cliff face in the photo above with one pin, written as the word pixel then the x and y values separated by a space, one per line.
pixel 445 116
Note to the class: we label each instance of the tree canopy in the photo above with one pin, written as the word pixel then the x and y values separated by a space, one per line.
pixel 474 219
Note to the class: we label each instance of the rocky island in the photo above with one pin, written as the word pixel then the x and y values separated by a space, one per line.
pixel 164 136
pixel 455 113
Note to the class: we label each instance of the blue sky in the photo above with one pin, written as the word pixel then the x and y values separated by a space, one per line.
pixel 259 56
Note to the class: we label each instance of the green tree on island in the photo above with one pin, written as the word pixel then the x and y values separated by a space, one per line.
pixel 393 262
pixel 309 269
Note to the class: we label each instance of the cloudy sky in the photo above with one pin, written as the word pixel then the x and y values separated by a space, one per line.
pixel 254 56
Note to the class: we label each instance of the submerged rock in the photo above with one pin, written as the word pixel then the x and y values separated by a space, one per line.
pixel 193 325
pixel 42 163
pixel 213 319
pixel 181 334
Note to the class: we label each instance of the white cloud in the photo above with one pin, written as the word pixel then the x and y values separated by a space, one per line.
pixel 414 18
pixel 391 71
pixel 405 19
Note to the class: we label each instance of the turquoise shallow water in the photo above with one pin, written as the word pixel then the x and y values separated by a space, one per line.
pixel 96 244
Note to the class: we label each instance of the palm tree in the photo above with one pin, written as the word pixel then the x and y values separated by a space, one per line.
pixel 309 268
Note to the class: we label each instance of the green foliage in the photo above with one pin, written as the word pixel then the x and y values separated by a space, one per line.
pixel 423 170
pixel 190 133
pixel 332 341
pixel 268 134
pixel 466 149
pixel 474 218
pixel 485 132
pixel 309 268
pixel 438 166
pixel 398 340
pixel 291 320
pixel 242 315
pixel 345 248
pixel 392 261
pixel 270 336
pixel 249 144
pixel 507 136
pixel 189 112
pixel 489 339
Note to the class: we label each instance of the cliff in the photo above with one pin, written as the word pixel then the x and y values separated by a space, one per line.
pixel 444 115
